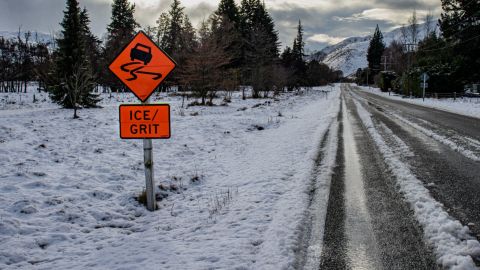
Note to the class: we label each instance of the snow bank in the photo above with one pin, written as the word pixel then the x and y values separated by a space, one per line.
pixel 454 146
pixel 465 106
pixel 233 179
pixel 453 245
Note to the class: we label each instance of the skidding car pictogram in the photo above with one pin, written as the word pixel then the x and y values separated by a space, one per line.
pixel 141 52
pixel 142 66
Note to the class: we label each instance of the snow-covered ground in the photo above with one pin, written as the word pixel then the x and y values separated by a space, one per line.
pixel 234 181
pixel 464 106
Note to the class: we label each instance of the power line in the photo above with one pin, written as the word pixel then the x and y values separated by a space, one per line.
pixel 451 45
pixel 462 21
pixel 455 34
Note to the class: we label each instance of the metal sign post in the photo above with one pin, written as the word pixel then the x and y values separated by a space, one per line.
pixel 149 178
pixel 425 78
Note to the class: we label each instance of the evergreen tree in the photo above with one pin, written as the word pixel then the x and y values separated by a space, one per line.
pixel 92 44
pixel 435 57
pixel 460 26
pixel 299 44
pixel 319 74
pixel 119 32
pixel 161 28
pixel 176 37
pixel 71 46
pixel 260 46
pixel 375 50
pixel 264 22
pixel 288 62
pixel 228 9
pixel 225 25
pixel 71 60
pixel 300 66
pixel 91 66
pixel 171 40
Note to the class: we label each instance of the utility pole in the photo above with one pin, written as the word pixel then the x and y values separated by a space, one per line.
pixel 409 48
pixel 385 62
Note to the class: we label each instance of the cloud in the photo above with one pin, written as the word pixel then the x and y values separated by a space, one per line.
pixel 324 21
pixel 200 12
pixel 322 38
pixel 148 11
pixel 382 14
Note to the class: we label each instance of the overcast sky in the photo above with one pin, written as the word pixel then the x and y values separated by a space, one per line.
pixel 326 21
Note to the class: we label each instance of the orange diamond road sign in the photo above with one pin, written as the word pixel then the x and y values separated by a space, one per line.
pixel 142 66
pixel 145 121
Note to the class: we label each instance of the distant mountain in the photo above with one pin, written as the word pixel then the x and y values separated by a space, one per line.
pixel 351 53
pixel 34 38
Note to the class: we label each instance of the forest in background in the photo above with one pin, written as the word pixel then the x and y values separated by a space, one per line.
pixel 237 46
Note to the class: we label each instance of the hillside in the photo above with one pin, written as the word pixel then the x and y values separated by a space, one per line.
pixel 35 36
pixel 351 53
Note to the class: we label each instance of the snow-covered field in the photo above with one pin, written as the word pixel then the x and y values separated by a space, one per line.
pixel 464 106
pixel 234 181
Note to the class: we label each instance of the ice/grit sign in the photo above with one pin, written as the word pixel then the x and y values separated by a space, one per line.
pixel 150 121
pixel 142 66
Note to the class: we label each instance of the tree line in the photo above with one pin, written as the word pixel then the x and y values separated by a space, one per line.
pixel 237 46
pixel 450 57
pixel 20 58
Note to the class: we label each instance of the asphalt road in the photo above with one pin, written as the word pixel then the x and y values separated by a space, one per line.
pixel 461 124
pixel 368 224
pixel 452 177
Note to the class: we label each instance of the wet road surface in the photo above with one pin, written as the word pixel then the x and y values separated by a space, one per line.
pixel 368 224
pixel 445 152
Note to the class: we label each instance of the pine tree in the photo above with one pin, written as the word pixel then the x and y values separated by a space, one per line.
pixel 260 46
pixel 171 39
pixel 299 44
pixel 122 26
pixel 375 50
pixel 119 32
pixel 288 60
pixel 228 8
pixel 71 47
pixel 71 61
pixel 92 43
pixel 299 64
pixel 263 21
pixel 225 25
pixel 441 64
pixel 176 36
pixel 92 57
pixel 161 28
pixel 460 26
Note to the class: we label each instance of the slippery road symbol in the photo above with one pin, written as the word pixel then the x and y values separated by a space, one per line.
pixel 142 53
pixel 136 69
pixel 142 66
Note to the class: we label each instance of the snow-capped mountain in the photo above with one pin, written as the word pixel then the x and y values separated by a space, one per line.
pixel 351 53
pixel 35 37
